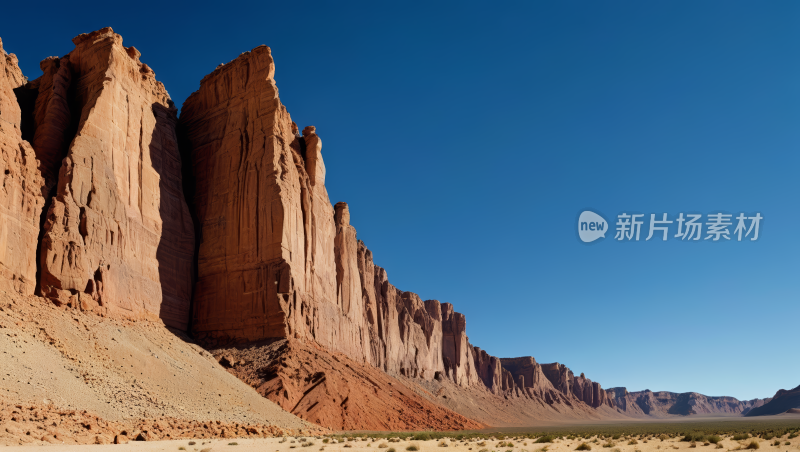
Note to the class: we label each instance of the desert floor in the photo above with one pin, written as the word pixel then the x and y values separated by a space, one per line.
pixel 295 444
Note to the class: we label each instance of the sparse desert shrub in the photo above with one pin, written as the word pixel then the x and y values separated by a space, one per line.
pixel 616 436
pixel 422 437
pixel 391 449
pixel 348 445
pixel 181 448
pixel 776 443
pixel 714 439
pixel 307 444
pixel 753 445
pixel 609 444
pixel 383 445
pixel 719 446
pixel 326 440
pixel 583 446
pixel 615 450
pixel 192 443
pixel 787 443
pixel 740 436
pixel 633 442
pixel 233 444
pixel 442 443
pixel 663 437
pixel 394 440
pixel 482 443
pixel 484 450
pixel 412 447
pixel 545 439
pixel 793 435
pixel 694 444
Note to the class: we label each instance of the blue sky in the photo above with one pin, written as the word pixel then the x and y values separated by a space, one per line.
pixel 468 136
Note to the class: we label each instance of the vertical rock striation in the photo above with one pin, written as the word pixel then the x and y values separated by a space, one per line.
pixel 21 198
pixel 118 237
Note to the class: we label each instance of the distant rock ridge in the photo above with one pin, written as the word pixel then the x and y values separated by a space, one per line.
pixel 784 401
pixel 664 403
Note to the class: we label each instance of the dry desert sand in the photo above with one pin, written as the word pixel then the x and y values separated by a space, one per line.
pixel 489 443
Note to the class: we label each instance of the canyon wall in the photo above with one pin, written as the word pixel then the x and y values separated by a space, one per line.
pixel 94 217
pixel 97 201
pixel 21 198
pixel 276 260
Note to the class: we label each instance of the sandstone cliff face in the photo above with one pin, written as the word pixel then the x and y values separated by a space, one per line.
pixel 581 388
pixel 21 197
pixel 118 237
pixel 276 259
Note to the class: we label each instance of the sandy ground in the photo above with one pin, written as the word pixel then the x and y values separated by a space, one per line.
pixel 295 445
pixel 119 370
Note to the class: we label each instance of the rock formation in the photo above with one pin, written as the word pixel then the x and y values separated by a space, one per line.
pixel 118 237
pixel 782 402
pixel 21 197
pixel 664 403
pixel 276 259
pixel 581 388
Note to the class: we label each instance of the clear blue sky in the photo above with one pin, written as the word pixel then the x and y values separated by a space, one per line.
pixel 467 137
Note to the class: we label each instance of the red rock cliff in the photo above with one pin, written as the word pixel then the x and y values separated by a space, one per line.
pixel 21 198
pixel 118 237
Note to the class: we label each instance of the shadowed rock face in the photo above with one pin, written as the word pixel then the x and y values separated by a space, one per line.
pixel 782 402
pixel 118 237
pixel 21 198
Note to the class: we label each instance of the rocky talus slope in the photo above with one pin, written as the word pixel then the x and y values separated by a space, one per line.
pixel 119 215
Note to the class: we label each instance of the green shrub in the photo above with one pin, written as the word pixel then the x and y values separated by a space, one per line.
pixel 632 442
pixel 583 446
pixel 740 436
pixel 422 437
pixel 326 440
pixel 615 436
pixel 412 448
pixel 233 444
pixel 391 449
pixel 545 439
pixel 714 439
pixel 383 445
